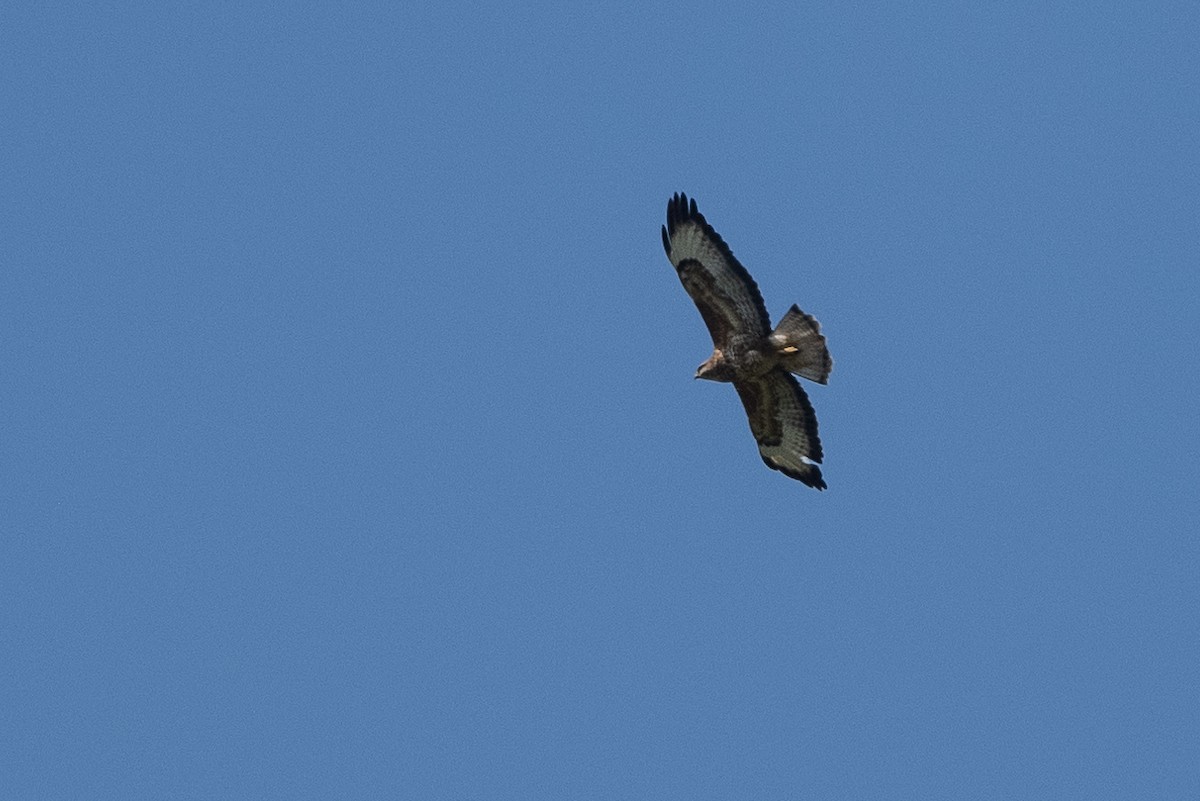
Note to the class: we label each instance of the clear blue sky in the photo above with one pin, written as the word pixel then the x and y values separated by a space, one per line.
pixel 351 447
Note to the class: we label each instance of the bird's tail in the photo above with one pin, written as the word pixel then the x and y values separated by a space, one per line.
pixel 801 346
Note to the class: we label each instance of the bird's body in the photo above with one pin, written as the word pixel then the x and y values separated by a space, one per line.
pixel 742 356
pixel 747 352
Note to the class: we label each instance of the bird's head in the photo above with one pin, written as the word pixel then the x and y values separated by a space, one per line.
pixel 714 369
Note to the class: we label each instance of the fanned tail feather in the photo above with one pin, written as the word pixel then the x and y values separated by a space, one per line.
pixel 801 346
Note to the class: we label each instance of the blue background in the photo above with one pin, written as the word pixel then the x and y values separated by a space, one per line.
pixel 350 441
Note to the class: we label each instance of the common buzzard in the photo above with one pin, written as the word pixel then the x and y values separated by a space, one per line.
pixel 757 360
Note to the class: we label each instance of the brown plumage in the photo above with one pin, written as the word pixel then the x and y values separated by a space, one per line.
pixel 757 360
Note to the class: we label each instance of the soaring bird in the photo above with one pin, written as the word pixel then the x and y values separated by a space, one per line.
pixel 759 361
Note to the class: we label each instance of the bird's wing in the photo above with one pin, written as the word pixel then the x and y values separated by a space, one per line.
pixel 728 298
pixel 784 424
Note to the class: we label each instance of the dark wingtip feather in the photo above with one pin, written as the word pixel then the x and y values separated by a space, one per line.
pixel 666 241
pixel 677 213
pixel 811 477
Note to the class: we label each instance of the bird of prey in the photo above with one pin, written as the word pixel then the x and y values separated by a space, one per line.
pixel 757 360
